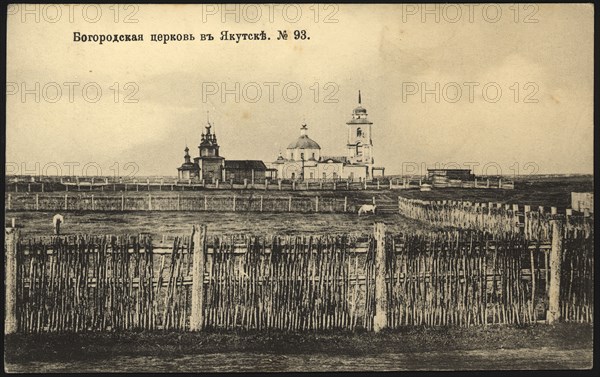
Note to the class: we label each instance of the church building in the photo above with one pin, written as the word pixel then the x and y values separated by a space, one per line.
pixel 208 165
pixel 303 159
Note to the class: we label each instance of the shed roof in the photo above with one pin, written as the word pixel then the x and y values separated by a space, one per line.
pixel 245 165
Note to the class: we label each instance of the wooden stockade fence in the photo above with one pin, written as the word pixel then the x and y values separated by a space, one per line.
pixel 457 278
pixel 492 217
pixel 149 202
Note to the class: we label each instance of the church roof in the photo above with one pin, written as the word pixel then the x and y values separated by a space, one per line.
pixel 304 142
pixel 336 159
pixel 188 166
pixel 245 165
pixel 359 121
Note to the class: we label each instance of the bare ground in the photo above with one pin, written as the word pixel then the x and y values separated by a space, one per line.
pixel 562 346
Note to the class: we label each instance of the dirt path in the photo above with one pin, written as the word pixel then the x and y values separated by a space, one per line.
pixel 524 358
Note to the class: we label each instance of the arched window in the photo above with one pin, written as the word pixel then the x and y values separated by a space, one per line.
pixel 358 132
pixel 359 150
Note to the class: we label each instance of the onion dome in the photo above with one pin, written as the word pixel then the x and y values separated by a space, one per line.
pixel 304 142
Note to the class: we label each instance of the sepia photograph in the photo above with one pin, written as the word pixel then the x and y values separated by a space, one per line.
pixel 298 187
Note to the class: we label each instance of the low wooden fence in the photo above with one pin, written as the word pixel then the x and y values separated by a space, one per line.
pixel 456 278
pixel 492 217
pixel 116 185
pixel 479 183
pixel 103 184
pixel 149 202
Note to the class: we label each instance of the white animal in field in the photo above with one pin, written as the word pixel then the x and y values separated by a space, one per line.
pixel 366 208
pixel 57 220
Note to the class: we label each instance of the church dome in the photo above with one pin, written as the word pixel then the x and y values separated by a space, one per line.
pixel 360 110
pixel 304 142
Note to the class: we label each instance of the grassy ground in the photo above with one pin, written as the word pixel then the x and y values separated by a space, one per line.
pixel 35 224
pixel 55 347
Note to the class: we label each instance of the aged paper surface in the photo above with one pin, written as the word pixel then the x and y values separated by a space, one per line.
pixel 181 124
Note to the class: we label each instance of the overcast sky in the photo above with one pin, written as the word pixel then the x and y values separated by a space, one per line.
pixel 542 118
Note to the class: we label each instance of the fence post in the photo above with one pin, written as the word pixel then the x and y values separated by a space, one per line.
pixel 553 314
pixel 234 203
pixel 316 204
pixel 261 203
pixel 93 204
pixel 9 201
pixel 373 200
pixel 345 203
pixel 290 204
pixel 149 202
pixel 66 202
pixel 206 203
pixel 381 304
pixel 122 202
pixel 10 316
pixel 279 184
pixel 37 202
pixel 199 241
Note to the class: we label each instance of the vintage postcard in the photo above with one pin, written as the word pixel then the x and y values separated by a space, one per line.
pixel 299 187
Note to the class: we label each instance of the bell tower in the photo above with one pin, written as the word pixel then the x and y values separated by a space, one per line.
pixel 360 146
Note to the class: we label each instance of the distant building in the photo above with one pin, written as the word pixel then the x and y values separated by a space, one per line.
pixel 445 175
pixel 580 201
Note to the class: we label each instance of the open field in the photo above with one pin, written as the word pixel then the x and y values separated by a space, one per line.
pixel 564 346
pixel 547 191
pixel 38 224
